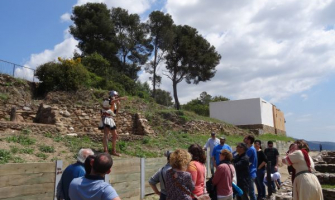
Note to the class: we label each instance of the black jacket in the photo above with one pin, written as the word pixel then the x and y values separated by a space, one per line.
pixel 241 163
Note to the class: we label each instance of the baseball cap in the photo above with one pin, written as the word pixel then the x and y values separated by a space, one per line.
pixel 222 138
pixel 213 133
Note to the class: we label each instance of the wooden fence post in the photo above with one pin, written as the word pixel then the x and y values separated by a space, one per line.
pixel 58 174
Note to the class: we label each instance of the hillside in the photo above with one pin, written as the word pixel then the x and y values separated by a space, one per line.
pixel 58 124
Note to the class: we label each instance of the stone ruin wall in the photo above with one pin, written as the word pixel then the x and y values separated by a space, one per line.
pixel 83 120
pixel 69 119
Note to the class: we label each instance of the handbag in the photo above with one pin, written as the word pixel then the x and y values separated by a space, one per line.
pixel 211 189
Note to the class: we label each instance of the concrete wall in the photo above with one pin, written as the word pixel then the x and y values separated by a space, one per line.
pixel 251 114
pixel 239 112
pixel 266 113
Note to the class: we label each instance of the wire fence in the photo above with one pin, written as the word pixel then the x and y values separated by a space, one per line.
pixel 17 71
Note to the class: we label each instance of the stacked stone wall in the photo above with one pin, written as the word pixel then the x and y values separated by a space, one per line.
pixel 34 127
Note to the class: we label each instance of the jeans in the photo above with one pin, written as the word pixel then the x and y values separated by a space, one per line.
pixel 212 167
pixel 273 185
pixel 243 197
pixel 259 183
pixel 252 189
pixel 162 196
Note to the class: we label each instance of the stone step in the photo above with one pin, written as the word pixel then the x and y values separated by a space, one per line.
pixel 324 168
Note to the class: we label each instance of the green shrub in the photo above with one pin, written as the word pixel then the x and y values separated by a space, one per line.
pixel 58 138
pixel 122 145
pixel 97 64
pixel 42 155
pixel 48 135
pixel 26 131
pixel 146 140
pixel 27 150
pixel 18 160
pixel 47 149
pixel 67 75
pixel 21 139
pixel 4 96
pixel 5 156
pixel 14 149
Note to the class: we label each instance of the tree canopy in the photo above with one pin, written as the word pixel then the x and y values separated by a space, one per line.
pixel 115 44
pixel 94 30
pixel 190 57
pixel 201 105
pixel 161 34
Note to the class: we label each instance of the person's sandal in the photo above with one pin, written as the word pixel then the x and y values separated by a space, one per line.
pixel 115 154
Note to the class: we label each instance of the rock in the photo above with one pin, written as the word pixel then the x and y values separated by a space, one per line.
pixel 19 118
pixel 67 114
pixel 71 129
pixel 26 108
pixel 72 134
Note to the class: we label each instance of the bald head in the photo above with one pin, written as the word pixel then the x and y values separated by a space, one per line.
pixel 102 163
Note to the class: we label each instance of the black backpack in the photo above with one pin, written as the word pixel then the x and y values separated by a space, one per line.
pixel 211 189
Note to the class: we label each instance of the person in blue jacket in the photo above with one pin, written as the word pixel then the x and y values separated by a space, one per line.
pixel 252 154
pixel 217 150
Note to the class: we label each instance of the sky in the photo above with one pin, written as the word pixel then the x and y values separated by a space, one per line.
pixel 280 50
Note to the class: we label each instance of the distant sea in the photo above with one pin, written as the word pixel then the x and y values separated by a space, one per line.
pixel 314 145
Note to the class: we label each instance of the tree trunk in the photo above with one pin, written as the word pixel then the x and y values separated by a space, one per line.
pixel 154 73
pixel 13 114
pixel 175 96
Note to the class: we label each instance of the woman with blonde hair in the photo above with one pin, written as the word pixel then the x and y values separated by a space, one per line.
pixel 224 175
pixel 306 185
pixel 179 182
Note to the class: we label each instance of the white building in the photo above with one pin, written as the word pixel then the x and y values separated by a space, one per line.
pixel 250 113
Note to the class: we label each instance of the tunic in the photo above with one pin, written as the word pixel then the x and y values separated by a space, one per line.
pixel 306 186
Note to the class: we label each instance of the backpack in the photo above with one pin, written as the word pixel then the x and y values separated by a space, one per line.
pixel 211 189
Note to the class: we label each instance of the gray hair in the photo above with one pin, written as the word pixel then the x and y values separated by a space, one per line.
pixel 83 154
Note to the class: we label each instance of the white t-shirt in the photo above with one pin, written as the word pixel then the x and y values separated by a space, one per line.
pixel 275 176
pixel 211 144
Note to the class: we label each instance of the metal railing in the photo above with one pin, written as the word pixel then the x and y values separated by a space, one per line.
pixel 17 71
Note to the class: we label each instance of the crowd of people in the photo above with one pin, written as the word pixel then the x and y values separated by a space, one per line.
pixel 85 179
pixel 234 174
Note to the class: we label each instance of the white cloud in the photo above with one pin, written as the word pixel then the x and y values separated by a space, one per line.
pixel 64 49
pixel 66 17
pixel 270 48
pixel 304 97
pixel 138 6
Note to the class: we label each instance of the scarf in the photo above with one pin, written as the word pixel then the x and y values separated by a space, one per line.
pixel 308 163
